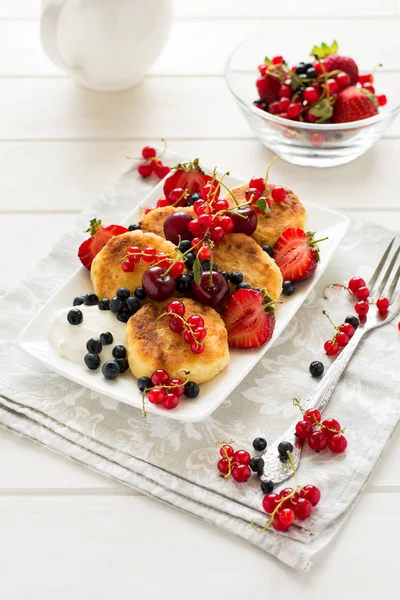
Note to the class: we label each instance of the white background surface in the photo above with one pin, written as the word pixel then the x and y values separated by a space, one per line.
pixel 66 532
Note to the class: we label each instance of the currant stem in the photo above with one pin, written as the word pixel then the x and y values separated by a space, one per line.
pixel 175 316
pixel 330 320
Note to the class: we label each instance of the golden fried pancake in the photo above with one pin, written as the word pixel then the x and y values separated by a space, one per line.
pixel 106 272
pixel 239 252
pixel 151 345
pixel 154 220
pixel 290 213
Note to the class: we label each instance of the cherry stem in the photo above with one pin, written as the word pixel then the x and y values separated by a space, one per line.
pixel 229 191
pixel 269 167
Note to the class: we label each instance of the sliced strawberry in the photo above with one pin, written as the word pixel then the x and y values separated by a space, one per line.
pixel 188 176
pixel 296 254
pixel 250 321
pixel 99 237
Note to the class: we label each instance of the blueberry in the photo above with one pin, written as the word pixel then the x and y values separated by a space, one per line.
pixel 225 275
pixel 284 448
pixel 123 316
pixel 183 284
pixel 206 265
pixel 352 320
pixel 191 275
pixel 257 465
pixel 190 258
pixel 110 369
pixel 236 277
pixel 259 444
pixel 300 69
pixel 140 293
pixel 307 65
pixel 134 227
pixel 144 383
pixel 123 364
pixel 132 305
pixel 268 250
pixel 185 245
pixel 92 361
pixel 267 486
pixel 78 301
pixel 75 316
pixel 243 286
pixel 311 73
pixel 116 304
pixel 123 293
pixel 119 351
pixel 193 198
pixel 192 390
pixel 288 288
pixel 104 304
pixel 316 368
pixel 106 338
pixel 94 346
pixel 90 299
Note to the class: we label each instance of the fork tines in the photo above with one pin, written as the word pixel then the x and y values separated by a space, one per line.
pixel 382 279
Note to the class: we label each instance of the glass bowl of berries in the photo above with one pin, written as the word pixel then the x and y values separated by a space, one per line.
pixel 323 110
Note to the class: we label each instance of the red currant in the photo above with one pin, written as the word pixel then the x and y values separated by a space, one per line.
pixel 302 509
pixel 312 415
pixel 355 283
pixel 160 377
pixel 205 253
pixel 263 68
pixel 366 77
pixel 382 304
pixel 145 169
pixel 284 104
pixel 241 473
pixel 217 234
pixel 270 502
pixel 285 91
pixel 310 118
pixel 148 254
pixel 176 325
pixel 176 307
pixel 318 441
pixel 382 100
pixel 149 152
pixel 176 387
pixel 161 170
pixel 277 60
pixel 304 429
pixel 199 333
pixel 162 202
pixel 368 86
pixel 330 427
pixel 177 269
pixel 156 396
pixel 210 191
pixel 362 293
pixel 197 348
pixel 199 207
pixel 148 210
pixel 273 108
pixel 343 80
pixel 226 450
pixel 278 194
pixel 286 516
pixel 294 110
pixel 310 94
pixel 362 308
pixel 242 457
pixel 204 221
pixel 331 348
pixel 221 204
pixel 171 401
pixel 348 329
pixel 223 466
pixel 337 443
pixel 252 194
pixel 332 86
pixel 311 493
pixel 284 115
pixel 258 183
pixel 277 525
pixel 196 321
pixel 318 67
pixel 342 339
pixel 127 266
pixel 227 224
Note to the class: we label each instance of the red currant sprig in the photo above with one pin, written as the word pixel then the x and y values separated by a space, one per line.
pixel 164 391
pixel 152 163
pixel 235 464
pixel 149 255
pixel 259 196
pixel 320 434
pixel 192 328
pixel 177 197
pixel 341 337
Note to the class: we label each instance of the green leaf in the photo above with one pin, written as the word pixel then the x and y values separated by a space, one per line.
pixel 268 60
pixel 325 50
pixel 370 96
pixel 295 81
pixel 322 110
pixel 263 206
pixel 197 270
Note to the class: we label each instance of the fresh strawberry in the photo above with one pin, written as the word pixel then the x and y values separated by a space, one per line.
pixel 268 87
pixel 188 176
pixel 249 320
pixel 335 62
pixel 296 254
pixel 99 237
pixel 354 104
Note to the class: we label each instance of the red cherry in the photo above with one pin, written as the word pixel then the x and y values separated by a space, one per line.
pixel 226 450
pixel 331 348
pixel 149 152
pixel 382 304
pixel 223 466
pixel 156 396
pixel 348 329
pixel 212 292
pixel 382 100
pixel 362 308
pixel 337 443
pixel 318 441
pixel 285 91
pixel 310 493
pixel 176 307
pixel 355 283
pixel 196 321
pixel 278 194
pixel 258 183
pixel 246 223
pixel 312 415
pixel 145 169
pixel 302 509
pixel 286 516
pixel 158 285
pixel 242 457
pixel 310 94
pixel 362 293
pixel 176 325
pixel 328 425
pixel 304 429
pixel 197 348
pixel 342 339
pixel 241 473
pixel 171 401
pixel 160 377
pixel 270 502
pixel 343 80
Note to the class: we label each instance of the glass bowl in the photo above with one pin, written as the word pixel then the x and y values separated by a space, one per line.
pixel 309 144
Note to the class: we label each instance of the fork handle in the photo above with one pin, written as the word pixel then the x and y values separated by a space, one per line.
pixel 319 398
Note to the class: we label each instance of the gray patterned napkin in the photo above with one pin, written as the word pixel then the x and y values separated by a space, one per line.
pixel 176 462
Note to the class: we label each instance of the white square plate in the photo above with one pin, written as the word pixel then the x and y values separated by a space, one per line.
pixel 34 339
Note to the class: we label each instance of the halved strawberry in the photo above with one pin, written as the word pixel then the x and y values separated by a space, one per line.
pixel 188 176
pixel 99 237
pixel 296 254
pixel 249 319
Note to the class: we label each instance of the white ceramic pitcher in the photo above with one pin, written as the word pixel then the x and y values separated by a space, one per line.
pixel 105 45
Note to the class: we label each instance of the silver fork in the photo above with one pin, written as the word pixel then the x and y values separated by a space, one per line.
pixel 382 283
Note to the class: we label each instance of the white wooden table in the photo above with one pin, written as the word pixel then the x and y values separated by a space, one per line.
pixel 69 533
